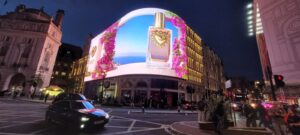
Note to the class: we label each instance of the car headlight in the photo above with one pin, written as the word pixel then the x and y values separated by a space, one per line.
pixel 106 116
pixel 84 119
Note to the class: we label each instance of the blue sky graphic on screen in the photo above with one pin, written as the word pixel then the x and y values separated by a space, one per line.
pixel 132 39
pixel 143 45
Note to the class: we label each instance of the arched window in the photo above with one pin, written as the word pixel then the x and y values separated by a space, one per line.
pixel 26 51
pixel 3 50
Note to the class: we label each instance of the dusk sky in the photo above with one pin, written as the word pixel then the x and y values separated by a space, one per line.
pixel 221 24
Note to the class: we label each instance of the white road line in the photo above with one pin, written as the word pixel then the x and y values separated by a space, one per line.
pixel 131 125
pixel 141 120
pixel 124 132
pixel 116 126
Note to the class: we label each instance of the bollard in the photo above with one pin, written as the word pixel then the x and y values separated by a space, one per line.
pixel 128 112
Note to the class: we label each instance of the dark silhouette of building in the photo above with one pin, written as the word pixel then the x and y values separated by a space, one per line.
pixel 67 54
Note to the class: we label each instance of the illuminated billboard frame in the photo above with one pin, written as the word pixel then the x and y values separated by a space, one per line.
pixel 105 53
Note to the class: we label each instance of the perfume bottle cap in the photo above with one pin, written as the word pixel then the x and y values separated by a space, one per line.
pixel 159 20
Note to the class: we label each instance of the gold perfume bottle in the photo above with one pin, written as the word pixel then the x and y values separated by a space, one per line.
pixel 159 40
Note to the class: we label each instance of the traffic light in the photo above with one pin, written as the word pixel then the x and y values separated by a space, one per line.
pixel 279 80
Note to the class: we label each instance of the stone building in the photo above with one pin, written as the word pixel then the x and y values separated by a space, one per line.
pixel 79 67
pixel 29 41
pixel 214 78
pixel 66 55
pixel 276 27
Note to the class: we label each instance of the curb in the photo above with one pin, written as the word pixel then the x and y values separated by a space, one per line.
pixel 33 101
pixel 163 112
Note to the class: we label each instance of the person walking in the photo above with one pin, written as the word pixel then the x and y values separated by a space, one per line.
pixel 201 106
pixel 293 121
pixel 263 116
pixel 250 113
pixel 46 97
pixel 278 123
pixel 218 117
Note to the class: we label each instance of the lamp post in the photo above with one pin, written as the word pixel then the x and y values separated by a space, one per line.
pixel 103 74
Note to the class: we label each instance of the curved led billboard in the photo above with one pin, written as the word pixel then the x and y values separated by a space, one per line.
pixel 145 41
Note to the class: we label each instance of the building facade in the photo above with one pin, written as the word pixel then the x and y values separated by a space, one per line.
pixel 195 64
pixel 78 73
pixel 277 32
pixel 175 74
pixel 66 55
pixel 29 42
pixel 79 67
pixel 214 78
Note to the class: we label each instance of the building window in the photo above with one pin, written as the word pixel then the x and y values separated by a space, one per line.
pixel 27 51
pixel 63 73
pixel 3 50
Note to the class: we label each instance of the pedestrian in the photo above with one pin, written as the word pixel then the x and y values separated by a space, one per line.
pixel 263 116
pixel 250 113
pixel 293 121
pixel 201 106
pixel 278 114
pixel 46 97
pixel 218 117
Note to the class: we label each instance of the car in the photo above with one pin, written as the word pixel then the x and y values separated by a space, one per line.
pixel 76 114
pixel 68 96
pixel 189 106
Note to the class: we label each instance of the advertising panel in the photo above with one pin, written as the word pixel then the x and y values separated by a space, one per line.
pixel 145 41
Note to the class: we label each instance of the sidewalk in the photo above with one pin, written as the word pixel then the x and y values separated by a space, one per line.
pixel 132 110
pixel 188 128
pixel 35 100
pixel 163 111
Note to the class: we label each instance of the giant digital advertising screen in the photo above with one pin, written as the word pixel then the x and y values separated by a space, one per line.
pixel 147 41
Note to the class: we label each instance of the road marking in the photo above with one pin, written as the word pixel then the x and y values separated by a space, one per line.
pixel 141 130
pixel 141 120
pixel 131 125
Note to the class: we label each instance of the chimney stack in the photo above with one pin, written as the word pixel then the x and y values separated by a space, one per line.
pixel 20 8
pixel 59 17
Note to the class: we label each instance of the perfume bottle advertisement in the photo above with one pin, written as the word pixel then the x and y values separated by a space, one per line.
pixel 143 44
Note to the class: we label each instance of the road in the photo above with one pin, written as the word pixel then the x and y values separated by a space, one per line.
pixel 23 117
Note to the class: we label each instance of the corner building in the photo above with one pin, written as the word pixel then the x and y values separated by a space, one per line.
pixel 29 41
pixel 276 25
pixel 149 56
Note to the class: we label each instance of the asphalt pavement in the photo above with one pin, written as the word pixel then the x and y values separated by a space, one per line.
pixel 23 117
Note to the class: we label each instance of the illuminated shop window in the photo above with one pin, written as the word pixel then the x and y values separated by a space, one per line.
pixel 63 73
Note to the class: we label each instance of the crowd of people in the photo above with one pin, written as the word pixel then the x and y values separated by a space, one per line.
pixel 279 117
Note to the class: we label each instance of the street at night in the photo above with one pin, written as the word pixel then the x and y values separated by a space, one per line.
pixel 149 67
pixel 24 117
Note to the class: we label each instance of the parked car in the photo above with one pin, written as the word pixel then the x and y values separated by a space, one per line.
pixel 68 96
pixel 189 106
pixel 76 114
